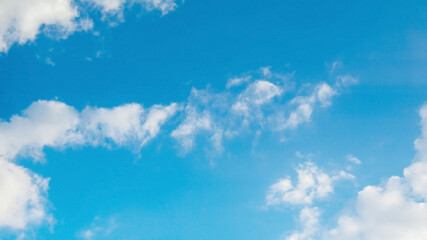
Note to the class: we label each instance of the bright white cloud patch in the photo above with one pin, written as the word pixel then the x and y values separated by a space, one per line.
pixel 264 101
pixel 22 196
pixel 256 94
pixel 55 124
pixel 43 123
pixel 394 210
pixel 312 184
pixel 216 115
pixel 22 20
pixel 309 221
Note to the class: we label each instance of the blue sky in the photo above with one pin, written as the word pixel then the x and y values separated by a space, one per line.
pixel 167 119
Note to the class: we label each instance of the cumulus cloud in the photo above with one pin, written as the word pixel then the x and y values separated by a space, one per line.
pixel 312 184
pixel 55 124
pixel 309 221
pixel 22 20
pixel 205 113
pixel 395 209
pixel 321 95
pixel 22 196
pixel 265 101
pixel 256 94
pixel 43 123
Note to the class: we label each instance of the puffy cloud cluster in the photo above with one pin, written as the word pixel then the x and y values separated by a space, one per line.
pixel 312 184
pixel 250 104
pixel 260 100
pixel 55 124
pixel 22 196
pixel 396 209
pixel 22 20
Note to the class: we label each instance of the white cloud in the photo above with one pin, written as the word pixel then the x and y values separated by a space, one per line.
pixel 309 220
pixel 22 197
pixel 258 93
pixel 43 123
pixel 353 159
pixel 22 20
pixel 55 124
pixel 346 80
pixel 237 81
pixel 261 104
pixel 194 123
pixel 394 210
pixel 312 184
pixel 322 94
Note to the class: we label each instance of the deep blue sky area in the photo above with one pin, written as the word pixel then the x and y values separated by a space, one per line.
pixel 159 191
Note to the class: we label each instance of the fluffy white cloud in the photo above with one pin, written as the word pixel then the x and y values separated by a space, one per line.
pixel 22 196
pixel 309 220
pixel 127 124
pixel 22 20
pixel 312 184
pixel 55 124
pixel 43 123
pixel 321 95
pixel 394 210
pixel 261 103
pixel 258 93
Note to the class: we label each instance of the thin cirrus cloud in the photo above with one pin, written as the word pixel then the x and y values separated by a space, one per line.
pixel 21 21
pixel 215 116
pixel 396 209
